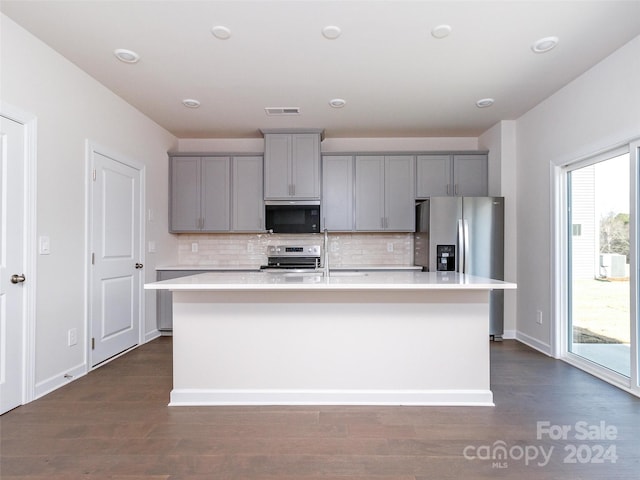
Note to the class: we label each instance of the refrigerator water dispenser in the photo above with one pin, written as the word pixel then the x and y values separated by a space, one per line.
pixel 446 258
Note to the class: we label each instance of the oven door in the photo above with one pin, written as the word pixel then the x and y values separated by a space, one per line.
pixel 292 217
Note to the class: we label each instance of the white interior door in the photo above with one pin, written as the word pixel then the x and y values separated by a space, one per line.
pixel 12 263
pixel 116 279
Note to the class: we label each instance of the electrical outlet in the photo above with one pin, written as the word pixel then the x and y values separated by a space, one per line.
pixel 72 337
pixel 152 246
pixel 390 247
pixel 194 247
pixel 539 317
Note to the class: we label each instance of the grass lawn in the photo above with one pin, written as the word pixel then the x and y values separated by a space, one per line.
pixel 601 311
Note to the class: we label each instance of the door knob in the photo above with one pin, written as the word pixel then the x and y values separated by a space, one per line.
pixel 139 265
pixel 17 278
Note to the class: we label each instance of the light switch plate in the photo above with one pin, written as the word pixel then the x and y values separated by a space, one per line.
pixel 44 245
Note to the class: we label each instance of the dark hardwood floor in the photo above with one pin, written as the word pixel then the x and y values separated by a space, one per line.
pixel 114 423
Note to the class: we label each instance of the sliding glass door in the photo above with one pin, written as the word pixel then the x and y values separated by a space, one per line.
pixel 599 243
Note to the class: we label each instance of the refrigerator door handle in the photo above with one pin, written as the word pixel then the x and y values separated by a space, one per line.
pixel 460 247
pixel 465 265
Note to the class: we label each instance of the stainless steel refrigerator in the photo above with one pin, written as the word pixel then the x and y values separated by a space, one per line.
pixel 464 234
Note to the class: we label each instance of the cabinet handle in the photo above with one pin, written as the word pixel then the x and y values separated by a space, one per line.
pixel 293 189
pixel 456 189
pixel 448 189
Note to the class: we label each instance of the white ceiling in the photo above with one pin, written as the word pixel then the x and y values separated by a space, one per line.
pixel 397 79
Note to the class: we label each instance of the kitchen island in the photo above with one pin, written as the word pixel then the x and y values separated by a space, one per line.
pixel 347 338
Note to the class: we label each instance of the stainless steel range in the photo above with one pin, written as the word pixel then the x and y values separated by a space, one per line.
pixel 293 258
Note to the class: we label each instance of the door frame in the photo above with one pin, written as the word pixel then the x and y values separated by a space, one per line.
pixel 91 148
pixel 559 269
pixel 30 123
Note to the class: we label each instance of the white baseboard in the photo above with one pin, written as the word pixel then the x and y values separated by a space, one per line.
pixel 59 380
pixel 201 397
pixel 509 335
pixel 152 335
pixel 534 343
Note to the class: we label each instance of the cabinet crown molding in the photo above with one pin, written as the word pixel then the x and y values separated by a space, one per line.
pixel 318 131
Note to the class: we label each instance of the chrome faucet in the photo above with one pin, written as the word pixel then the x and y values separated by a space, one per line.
pixel 326 253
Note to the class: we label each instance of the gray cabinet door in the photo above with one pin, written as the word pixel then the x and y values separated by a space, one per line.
pixel 305 166
pixel 184 190
pixel 277 164
pixel 369 193
pixel 448 175
pixel 215 194
pixel 337 192
pixel 433 176
pixel 470 173
pixel 399 193
pixel 248 204
pixel 292 166
pixel 164 298
pixel 385 193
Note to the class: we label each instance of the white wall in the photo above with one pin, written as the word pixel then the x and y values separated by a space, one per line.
pixel 71 107
pixel 335 144
pixel 500 140
pixel 598 110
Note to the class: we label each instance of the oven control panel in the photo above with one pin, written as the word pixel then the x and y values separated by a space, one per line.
pixel 293 250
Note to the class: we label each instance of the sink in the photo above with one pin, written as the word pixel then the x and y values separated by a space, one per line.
pixel 347 274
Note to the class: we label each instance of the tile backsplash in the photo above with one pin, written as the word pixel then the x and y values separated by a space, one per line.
pixel 249 250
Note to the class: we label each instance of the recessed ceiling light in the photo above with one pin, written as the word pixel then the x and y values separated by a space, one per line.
pixel 331 32
pixel 484 102
pixel 223 33
pixel 441 31
pixel 190 103
pixel 337 102
pixel 127 56
pixel 544 44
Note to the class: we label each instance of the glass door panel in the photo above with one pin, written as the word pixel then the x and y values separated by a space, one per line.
pixel 599 290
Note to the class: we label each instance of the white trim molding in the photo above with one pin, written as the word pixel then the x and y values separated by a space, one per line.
pixel 199 397
pixel 30 123
pixel 92 148
pixel 559 347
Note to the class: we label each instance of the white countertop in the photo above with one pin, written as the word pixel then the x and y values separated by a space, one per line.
pixel 337 280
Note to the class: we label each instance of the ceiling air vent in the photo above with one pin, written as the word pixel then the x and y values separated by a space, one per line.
pixel 282 110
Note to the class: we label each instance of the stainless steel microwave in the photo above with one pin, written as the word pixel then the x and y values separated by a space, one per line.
pixel 282 216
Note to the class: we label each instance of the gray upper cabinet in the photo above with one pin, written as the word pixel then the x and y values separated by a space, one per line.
pixel 433 175
pixel 292 165
pixel 248 203
pixel 184 194
pixel 337 192
pixel 385 193
pixel 471 175
pixel 214 194
pixel 400 193
pixel 455 174
pixel 201 191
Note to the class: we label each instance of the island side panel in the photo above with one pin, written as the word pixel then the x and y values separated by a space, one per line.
pixel 347 347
